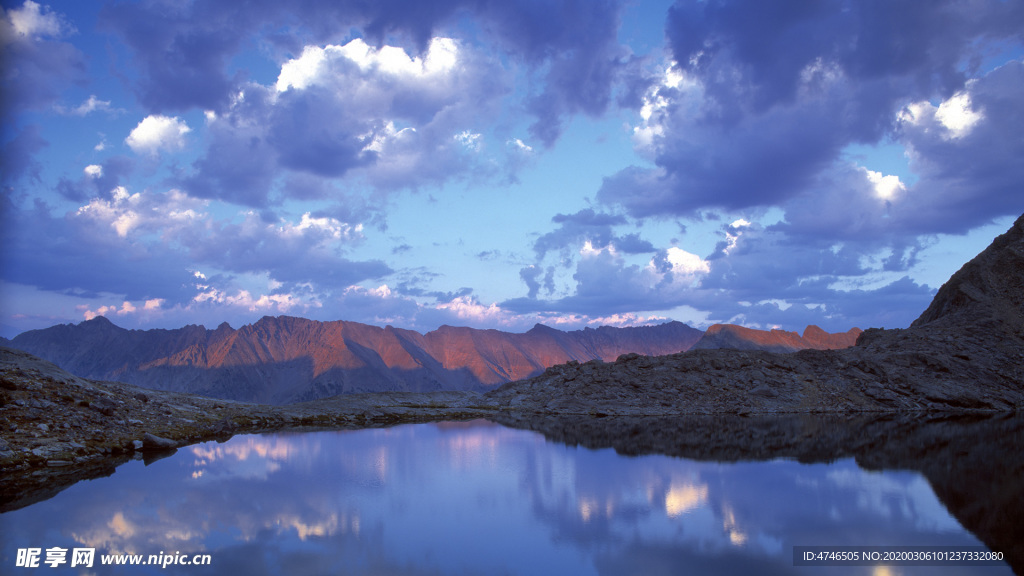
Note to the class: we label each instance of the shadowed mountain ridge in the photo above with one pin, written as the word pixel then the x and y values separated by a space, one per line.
pixel 735 337
pixel 287 359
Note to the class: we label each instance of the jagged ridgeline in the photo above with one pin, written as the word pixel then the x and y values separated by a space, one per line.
pixel 286 359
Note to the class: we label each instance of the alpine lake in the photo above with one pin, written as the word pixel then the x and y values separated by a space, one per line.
pixel 535 496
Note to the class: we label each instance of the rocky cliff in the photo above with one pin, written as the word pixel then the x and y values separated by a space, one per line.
pixel 736 337
pixel 285 359
pixel 965 352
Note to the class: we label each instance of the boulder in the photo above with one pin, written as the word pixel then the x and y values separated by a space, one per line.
pixel 153 442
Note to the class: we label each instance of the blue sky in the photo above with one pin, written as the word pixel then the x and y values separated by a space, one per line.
pixel 499 164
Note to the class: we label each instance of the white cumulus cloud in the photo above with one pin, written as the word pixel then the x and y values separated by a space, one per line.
pixel 144 211
pixel 957 115
pixel 156 133
pixel 886 186
pixel 32 21
pixel 310 68
pixel 91 104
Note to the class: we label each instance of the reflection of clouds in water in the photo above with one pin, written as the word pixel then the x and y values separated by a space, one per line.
pixel 234 493
pixel 469 500
pixel 592 508
pixel 272 448
pixel 895 494
pixel 736 536
pixel 682 498
pixel 472 449
pixel 333 524
pixel 276 449
pixel 121 535
pixel 659 499
pixel 761 508
pixel 134 532
pixel 262 454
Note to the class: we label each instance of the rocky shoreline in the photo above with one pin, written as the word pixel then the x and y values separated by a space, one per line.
pixel 59 428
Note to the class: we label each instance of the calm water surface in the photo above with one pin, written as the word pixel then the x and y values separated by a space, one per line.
pixel 478 498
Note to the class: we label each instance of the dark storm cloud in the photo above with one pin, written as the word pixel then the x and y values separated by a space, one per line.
pixel 894 305
pixel 62 255
pixel 183 52
pixel 968 179
pixel 633 244
pixel 315 134
pixel 759 162
pixel 17 156
pixel 602 288
pixel 335 112
pixel 147 245
pixel 408 289
pixel 757 277
pixel 757 268
pixel 588 225
pixel 576 40
pixel 773 92
pixel 771 44
pixel 766 263
pixel 113 172
pixel 239 165
pixel 34 64
pixel 966 176
pixel 309 252
pixel 529 276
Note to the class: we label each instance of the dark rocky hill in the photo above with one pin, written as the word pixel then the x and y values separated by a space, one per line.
pixel 285 359
pixel 736 337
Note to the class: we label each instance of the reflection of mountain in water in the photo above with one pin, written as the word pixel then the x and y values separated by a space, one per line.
pixel 472 497
pixel 974 463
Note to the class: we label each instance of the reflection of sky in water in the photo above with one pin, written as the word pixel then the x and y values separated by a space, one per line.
pixel 479 499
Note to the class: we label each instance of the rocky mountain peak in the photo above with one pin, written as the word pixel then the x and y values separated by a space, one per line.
pixel 993 278
pixel 735 337
pixel 99 322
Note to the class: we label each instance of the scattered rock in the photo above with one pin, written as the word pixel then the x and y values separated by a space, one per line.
pixel 764 392
pixel 152 442
pixel 104 406
pixel 223 427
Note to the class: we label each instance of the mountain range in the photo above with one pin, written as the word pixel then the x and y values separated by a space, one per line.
pixel 736 337
pixel 285 359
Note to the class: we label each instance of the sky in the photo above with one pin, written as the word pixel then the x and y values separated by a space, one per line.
pixel 502 163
